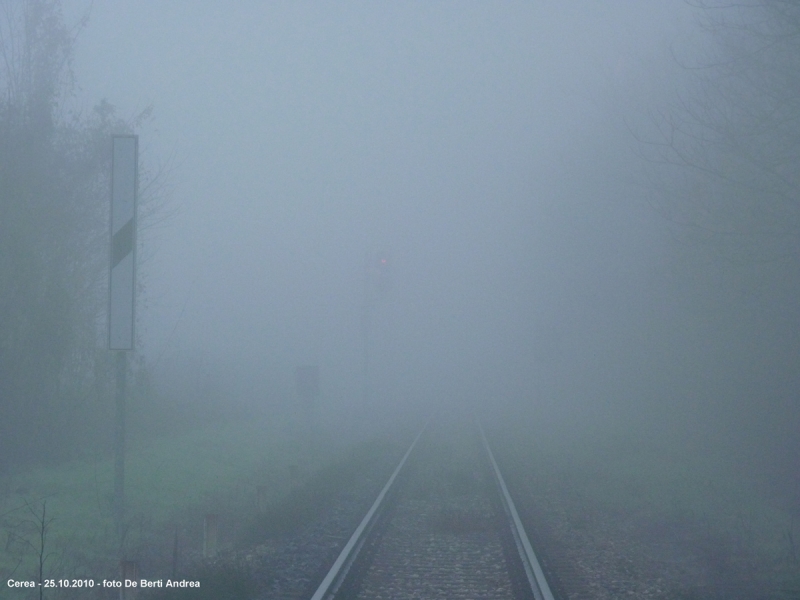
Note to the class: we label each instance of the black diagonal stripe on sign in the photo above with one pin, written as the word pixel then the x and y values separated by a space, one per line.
pixel 122 243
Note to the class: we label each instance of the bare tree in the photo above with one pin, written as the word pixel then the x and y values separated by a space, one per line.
pixel 29 534
pixel 724 155
pixel 42 523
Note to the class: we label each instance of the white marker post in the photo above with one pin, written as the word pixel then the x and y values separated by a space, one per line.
pixel 121 290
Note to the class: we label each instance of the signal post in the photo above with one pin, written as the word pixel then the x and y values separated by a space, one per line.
pixel 121 293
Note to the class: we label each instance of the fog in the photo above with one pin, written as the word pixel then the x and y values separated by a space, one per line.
pixel 585 227
pixel 578 221
pixel 482 147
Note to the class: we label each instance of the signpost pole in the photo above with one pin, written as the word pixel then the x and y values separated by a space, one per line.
pixel 365 326
pixel 119 441
pixel 121 294
pixel 377 271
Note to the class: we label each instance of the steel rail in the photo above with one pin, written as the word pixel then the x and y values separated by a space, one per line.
pixel 337 573
pixel 536 578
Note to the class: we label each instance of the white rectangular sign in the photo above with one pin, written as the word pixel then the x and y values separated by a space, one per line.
pixel 122 275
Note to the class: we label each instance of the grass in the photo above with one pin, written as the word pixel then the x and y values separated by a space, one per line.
pixel 170 484
pixel 304 502
pixel 685 483
pixel 703 487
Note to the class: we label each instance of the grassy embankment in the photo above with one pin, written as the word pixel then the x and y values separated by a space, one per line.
pixel 729 503
pixel 171 483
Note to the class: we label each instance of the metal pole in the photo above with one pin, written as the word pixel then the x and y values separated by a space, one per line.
pixel 365 324
pixel 119 442
pixel 365 327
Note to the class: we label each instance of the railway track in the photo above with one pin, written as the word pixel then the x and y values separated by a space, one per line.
pixel 443 526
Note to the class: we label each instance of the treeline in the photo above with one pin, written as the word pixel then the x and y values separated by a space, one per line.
pixel 55 373
pixel 725 151
pixel 723 156
pixel 723 163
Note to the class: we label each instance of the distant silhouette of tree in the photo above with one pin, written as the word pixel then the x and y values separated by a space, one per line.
pixel 725 156
pixel 54 190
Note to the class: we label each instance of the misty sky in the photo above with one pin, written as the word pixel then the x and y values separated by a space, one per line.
pixel 482 145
